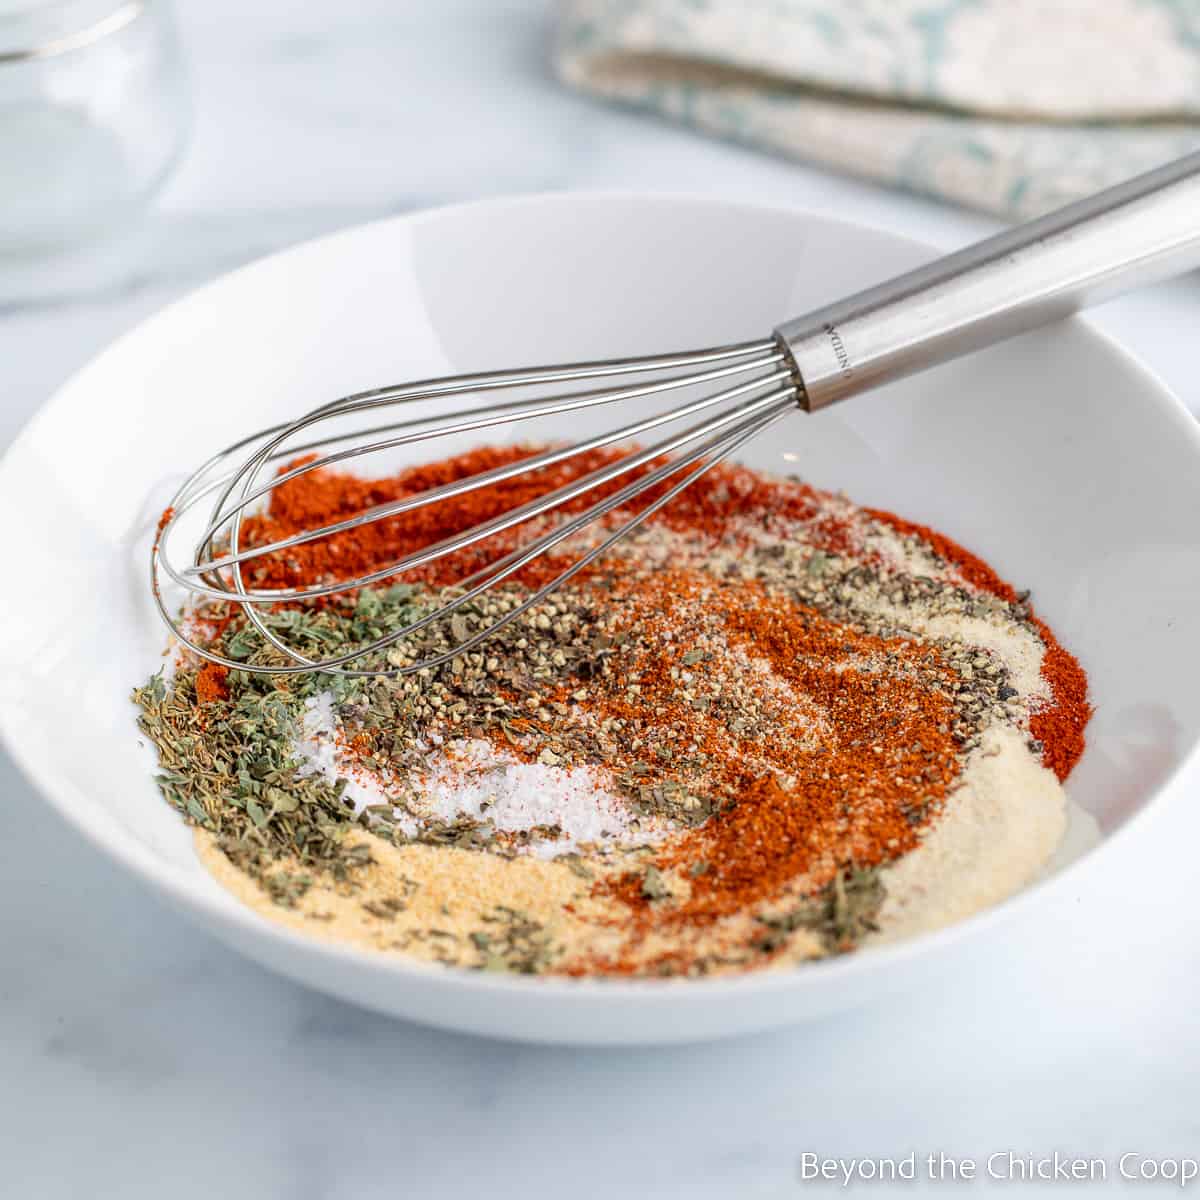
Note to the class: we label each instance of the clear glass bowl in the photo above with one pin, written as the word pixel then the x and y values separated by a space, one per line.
pixel 93 113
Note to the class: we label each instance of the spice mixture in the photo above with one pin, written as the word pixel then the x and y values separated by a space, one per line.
pixel 768 727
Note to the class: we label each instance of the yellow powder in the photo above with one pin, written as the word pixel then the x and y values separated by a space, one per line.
pixel 997 831
pixel 444 889
pixel 426 902
pixel 435 903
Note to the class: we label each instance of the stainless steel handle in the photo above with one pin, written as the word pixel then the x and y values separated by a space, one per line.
pixel 1145 229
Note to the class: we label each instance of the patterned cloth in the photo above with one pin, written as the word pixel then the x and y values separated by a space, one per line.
pixel 1014 106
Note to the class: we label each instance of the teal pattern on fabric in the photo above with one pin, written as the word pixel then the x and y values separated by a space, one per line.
pixel 1012 106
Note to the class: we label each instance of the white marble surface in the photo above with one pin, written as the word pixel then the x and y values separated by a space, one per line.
pixel 140 1059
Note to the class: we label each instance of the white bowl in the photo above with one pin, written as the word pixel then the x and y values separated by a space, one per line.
pixel 1057 457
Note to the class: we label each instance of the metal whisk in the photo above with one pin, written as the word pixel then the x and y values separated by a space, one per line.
pixel 1139 231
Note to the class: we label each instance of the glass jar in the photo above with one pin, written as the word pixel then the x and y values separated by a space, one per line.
pixel 92 117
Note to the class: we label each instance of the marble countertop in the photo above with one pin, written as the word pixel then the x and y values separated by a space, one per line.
pixel 139 1058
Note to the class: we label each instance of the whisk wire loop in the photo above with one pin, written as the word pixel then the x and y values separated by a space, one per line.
pixel 498 414
pixel 745 406
pixel 707 455
pixel 552 500
pixel 459 487
pixel 460 385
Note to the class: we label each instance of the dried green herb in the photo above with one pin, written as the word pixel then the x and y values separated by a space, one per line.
pixel 577 866
pixel 841 914
pixel 513 942
pixel 226 767
pixel 654 886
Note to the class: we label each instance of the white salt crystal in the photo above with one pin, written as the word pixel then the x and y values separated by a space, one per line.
pixel 475 779
pixel 317 751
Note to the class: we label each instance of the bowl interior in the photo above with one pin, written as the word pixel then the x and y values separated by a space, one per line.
pixel 1055 457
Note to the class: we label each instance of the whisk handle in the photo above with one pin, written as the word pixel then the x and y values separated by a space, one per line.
pixel 1139 231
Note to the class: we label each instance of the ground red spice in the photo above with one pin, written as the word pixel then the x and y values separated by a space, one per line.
pixel 885 761
pixel 212 683
pixel 323 497
pixel 1060 725
pixel 860 798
